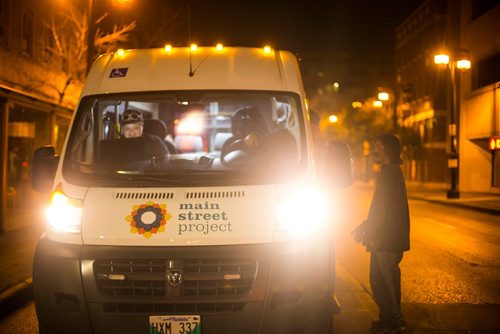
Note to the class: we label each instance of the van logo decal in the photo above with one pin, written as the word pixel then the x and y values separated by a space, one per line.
pixel 118 72
pixel 148 219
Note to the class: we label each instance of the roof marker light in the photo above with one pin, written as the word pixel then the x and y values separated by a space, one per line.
pixel 120 52
pixel 219 47
pixel 194 47
pixel 168 48
pixel 267 49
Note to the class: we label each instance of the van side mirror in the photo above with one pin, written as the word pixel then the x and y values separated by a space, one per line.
pixel 339 165
pixel 44 168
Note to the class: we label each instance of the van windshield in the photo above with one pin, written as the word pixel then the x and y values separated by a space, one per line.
pixel 186 138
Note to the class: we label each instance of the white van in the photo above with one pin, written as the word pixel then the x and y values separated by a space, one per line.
pixel 211 221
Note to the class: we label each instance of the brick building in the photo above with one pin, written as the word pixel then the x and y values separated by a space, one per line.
pixel 36 100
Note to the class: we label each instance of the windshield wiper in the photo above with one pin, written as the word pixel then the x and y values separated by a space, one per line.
pixel 162 179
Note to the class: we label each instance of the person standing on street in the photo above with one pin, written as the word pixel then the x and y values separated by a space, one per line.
pixel 386 235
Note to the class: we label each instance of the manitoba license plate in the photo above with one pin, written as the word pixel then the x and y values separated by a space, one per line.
pixel 174 324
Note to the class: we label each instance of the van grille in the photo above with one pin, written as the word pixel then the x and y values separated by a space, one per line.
pixel 177 308
pixel 200 277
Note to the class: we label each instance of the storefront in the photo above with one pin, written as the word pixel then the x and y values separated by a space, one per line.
pixel 26 123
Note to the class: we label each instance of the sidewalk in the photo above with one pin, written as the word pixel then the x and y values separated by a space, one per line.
pixel 436 193
pixel 17 247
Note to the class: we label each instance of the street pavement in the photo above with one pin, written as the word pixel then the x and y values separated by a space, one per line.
pixel 17 245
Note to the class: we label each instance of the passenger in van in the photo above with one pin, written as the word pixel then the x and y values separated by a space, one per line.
pixel 132 126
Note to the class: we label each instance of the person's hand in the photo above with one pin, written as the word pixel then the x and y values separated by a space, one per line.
pixel 358 233
pixel 373 245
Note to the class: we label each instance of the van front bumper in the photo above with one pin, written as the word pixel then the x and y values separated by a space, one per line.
pixel 290 290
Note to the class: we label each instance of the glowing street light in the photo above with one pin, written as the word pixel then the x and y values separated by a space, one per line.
pixel 122 2
pixel 333 119
pixel 383 96
pixel 463 64
pixel 377 104
pixel 441 59
pixel 357 104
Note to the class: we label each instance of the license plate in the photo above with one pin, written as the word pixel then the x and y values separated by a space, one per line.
pixel 174 324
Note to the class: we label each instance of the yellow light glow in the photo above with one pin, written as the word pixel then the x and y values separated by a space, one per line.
pixel 333 119
pixel 377 104
pixel 168 48
pixel 120 52
pixel 308 204
pixel 441 59
pixel 493 145
pixel 64 214
pixel 357 104
pixel 192 124
pixel 383 96
pixel 219 47
pixel 463 64
pixel 336 85
pixel 124 3
pixel 194 47
pixel 267 49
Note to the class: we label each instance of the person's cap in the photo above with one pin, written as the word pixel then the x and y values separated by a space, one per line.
pixel 132 116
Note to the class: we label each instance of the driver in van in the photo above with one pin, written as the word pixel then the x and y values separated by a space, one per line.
pixel 132 126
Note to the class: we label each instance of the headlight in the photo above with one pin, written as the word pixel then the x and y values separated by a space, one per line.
pixel 302 212
pixel 64 214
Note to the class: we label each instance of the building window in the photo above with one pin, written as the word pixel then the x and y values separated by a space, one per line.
pixel 4 22
pixel 480 7
pixel 27 32
pixel 48 49
pixel 486 72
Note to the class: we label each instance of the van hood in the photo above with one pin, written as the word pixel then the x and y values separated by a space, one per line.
pixel 179 216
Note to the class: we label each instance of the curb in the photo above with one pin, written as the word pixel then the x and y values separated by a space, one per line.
pixel 458 205
pixel 15 296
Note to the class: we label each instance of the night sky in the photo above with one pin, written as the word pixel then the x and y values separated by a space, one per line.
pixel 361 31
pixel 300 26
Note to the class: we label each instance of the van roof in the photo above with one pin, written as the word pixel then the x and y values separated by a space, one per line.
pixel 234 68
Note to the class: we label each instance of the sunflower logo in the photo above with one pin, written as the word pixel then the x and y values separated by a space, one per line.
pixel 148 219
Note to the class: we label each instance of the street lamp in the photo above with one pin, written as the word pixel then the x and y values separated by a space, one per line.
pixel 383 96
pixel 377 104
pixel 389 96
pixel 454 67
pixel 357 104
pixel 333 119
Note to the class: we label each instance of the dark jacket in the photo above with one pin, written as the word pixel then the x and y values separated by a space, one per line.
pixel 388 225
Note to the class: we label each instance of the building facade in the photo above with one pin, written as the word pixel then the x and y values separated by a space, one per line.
pixel 421 91
pixel 480 105
pixel 36 101
pixel 462 29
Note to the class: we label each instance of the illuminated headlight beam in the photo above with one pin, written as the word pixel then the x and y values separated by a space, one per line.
pixel 64 214
pixel 302 212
